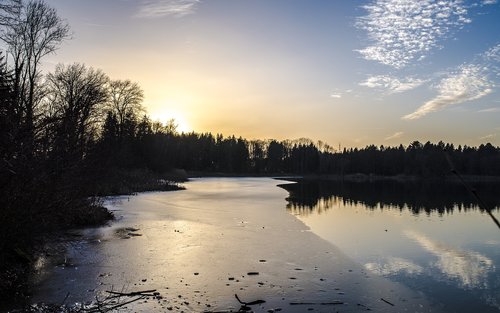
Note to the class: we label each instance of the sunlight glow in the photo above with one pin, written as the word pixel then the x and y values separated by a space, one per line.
pixel 166 115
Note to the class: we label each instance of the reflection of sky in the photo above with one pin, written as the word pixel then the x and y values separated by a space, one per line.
pixel 393 265
pixel 468 267
pixel 447 256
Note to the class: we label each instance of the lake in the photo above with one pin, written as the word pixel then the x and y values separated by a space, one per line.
pixel 429 236
pixel 312 246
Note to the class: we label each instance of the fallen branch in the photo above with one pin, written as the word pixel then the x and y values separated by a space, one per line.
pixel 334 302
pixel 150 293
pixel 109 303
pixel 249 303
pixel 387 301
pixel 108 309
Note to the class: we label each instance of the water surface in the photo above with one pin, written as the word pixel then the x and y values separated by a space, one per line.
pixel 429 236
pixel 219 237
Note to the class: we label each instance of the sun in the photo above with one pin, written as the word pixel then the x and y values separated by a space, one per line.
pixel 179 119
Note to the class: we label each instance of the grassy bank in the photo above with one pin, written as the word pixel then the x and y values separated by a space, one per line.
pixel 126 182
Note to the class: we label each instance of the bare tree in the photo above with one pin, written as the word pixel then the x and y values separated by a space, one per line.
pixel 125 100
pixel 31 32
pixel 75 98
pixel 9 11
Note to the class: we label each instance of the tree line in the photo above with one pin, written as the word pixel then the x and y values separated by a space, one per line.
pixel 208 153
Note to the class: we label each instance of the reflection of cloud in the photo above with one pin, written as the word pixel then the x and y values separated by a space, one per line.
pixel 161 8
pixel 470 82
pixel 394 266
pixel 394 136
pixel 392 84
pixel 404 30
pixel 468 267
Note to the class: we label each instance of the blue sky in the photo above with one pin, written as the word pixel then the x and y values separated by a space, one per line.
pixel 347 72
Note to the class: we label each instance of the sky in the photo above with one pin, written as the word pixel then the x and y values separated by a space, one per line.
pixel 349 73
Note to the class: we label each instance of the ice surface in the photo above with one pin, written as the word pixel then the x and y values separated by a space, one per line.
pixel 219 237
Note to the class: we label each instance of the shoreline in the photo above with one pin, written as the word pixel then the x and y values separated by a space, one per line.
pixel 359 177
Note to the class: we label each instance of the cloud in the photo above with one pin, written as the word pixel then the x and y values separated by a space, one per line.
pixel 339 93
pixel 392 84
pixel 489 110
pixel 161 8
pixel 470 82
pixel 488 137
pixel 493 54
pixel 360 139
pixel 469 268
pixel 396 135
pixel 401 31
pixel 486 2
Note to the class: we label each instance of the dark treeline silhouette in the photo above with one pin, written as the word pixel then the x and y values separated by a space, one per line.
pixel 159 150
pixel 419 196
pixel 418 159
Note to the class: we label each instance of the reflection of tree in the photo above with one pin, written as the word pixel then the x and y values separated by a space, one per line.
pixel 415 196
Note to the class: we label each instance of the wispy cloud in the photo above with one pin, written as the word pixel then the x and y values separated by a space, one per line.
pixel 469 82
pixel 392 84
pixel 360 139
pixel 396 135
pixel 161 8
pixel 402 31
pixel 486 2
pixel 492 54
pixel 488 137
pixel 339 93
pixel 489 110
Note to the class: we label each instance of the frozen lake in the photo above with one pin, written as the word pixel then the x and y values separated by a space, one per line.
pixel 220 237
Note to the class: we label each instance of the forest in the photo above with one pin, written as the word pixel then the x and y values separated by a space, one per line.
pixel 73 134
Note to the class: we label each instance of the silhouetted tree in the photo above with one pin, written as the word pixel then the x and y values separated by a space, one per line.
pixel 125 101
pixel 257 155
pixel 9 11
pixel 75 98
pixel 7 127
pixel 33 31
pixel 275 156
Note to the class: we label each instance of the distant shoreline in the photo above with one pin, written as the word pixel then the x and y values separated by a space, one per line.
pixel 359 177
pixel 402 178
